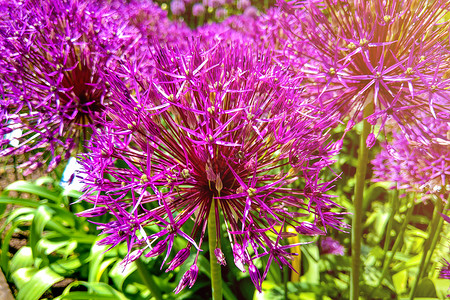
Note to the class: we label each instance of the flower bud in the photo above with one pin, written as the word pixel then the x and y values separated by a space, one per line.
pixel 179 259
pixel 158 249
pixel 255 276
pixel 220 257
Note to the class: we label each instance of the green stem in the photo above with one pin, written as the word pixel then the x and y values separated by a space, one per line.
pixel 397 244
pixel 16 174
pixel 358 204
pixel 430 244
pixel 147 278
pixel 216 275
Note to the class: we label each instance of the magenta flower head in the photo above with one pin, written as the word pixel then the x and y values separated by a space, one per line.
pixel 198 10
pixel 221 13
pixel 219 130
pixel 177 7
pixel 388 56
pixel 329 245
pixel 419 165
pixel 51 76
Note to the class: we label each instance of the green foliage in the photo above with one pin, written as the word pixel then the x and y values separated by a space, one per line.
pixel 59 245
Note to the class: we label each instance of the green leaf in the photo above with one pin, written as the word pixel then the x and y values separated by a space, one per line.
pixel 203 266
pixel 72 193
pixel 44 180
pixel 98 290
pixel 66 267
pixel 46 247
pixel 38 284
pixel 103 266
pixel 87 295
pixel 19 215
pixel 83 238
pixel 32 188
pixel 400 280
pixel 23 275
pixel 420 298
pixel 22 259
pixel 4 257
pixel 41 217
pixel 118 274
pixel 412 262
pixel 312 274
pixel 96 257
pixel 56 242
pixel 442 287
pixel 56 226
pixel 227 293
pixel 425 289
pixel 19 201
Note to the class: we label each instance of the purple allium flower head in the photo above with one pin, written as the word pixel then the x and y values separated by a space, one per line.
pixel 216 125
pixel 57 50
pixel 329 245
pixel 177 7
pixel 391 55
pixel 251 11
pixel 214 3
pixel 419 164
pixel 221 13
pixel 243 4
pixel 152 23
pixel 198 10
pixel 263 31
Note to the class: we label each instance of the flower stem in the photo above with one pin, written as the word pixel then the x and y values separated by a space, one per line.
pixel 430 244
pixel 360 177
pixel 148 279
pixel 216 275
pixel 16 174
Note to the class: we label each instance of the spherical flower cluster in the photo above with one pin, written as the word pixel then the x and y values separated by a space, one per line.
pixel 51 76
pixel 221 13
pixel 421 165
pixel 218 130
pixel 198 10
pixel 264 31
pixel 152 22
pixel 389 56
pixel 329 245
pixel 177 7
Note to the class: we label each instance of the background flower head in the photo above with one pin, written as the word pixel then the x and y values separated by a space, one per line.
pixel 389 55
pixel 51 75
pixel 419 164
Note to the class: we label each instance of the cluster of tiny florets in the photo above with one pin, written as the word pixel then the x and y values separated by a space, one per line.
pixel 51 80
pixel 215 129
pixel 419 165
pixel 390 57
